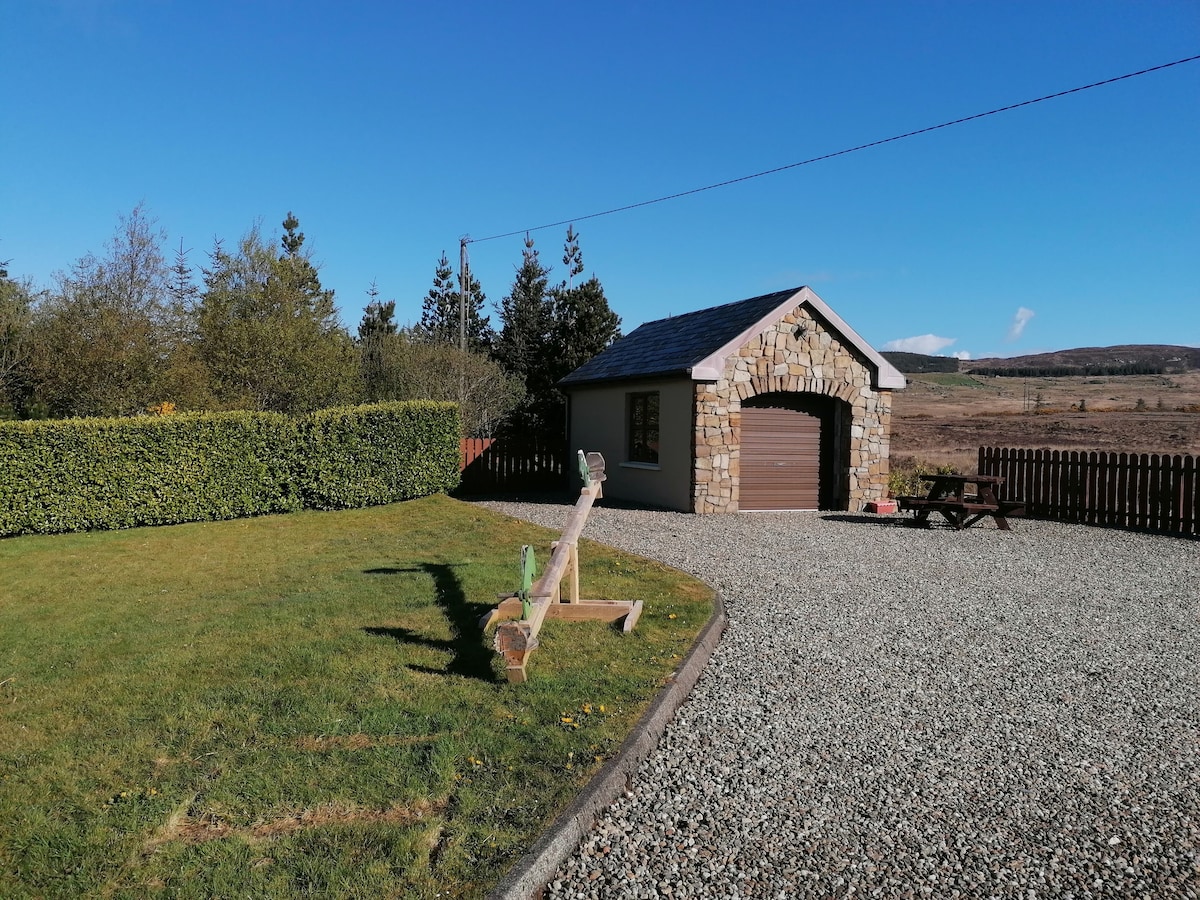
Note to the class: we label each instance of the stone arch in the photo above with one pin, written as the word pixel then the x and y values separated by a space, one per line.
pixel 846 432
pixel 792 384
pixel 800 355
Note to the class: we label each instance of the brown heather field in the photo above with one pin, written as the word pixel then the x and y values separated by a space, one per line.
pixel 946 418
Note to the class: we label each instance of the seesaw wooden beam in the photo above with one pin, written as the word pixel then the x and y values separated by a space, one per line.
pixel 515 641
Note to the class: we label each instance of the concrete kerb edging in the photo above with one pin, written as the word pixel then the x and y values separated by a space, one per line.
pixel 532 873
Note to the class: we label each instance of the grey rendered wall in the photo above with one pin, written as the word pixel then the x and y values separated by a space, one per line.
pixel 598 423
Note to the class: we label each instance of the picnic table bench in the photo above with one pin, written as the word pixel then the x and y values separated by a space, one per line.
pixel 948 496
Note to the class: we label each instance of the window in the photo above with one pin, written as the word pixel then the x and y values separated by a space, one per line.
pixel 642 428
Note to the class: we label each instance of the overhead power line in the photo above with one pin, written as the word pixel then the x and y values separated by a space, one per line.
pixel 815 159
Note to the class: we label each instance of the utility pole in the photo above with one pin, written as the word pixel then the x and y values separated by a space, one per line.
pixel 464 283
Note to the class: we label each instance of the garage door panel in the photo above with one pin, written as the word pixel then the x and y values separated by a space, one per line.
pixel 780 459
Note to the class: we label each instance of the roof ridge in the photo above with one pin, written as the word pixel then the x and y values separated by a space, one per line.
pixel 694 344
pixel 710 309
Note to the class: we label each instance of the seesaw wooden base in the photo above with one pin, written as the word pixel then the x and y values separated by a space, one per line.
pixel 584 610
pixel 543 599
pixel 516 640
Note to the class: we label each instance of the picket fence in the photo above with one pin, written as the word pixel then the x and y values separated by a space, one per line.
pixel 1147 491
pixel 504 465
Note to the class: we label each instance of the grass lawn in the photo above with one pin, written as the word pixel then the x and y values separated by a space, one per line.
pixel 303 705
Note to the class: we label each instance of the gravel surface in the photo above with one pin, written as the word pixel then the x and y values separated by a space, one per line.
pixel 898 712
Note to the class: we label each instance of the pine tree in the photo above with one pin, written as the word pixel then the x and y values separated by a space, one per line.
pixel 572 256
pixel 584 325
pixel 377 341
pixel 440 311
pixel 291 240
pixel 524 340
pixel 269 331
pixel 182 287
pixel 297 283
pixel 549 332
pixel 377 316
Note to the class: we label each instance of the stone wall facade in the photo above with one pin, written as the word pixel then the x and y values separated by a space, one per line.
pixel 802 354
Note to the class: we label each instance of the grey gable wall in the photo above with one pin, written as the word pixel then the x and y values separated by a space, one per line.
pixel 598 422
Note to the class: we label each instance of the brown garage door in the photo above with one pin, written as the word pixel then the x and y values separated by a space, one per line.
pixel 781 459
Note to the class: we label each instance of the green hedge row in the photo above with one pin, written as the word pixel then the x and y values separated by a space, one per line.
pixel 368 455
pixel 88 474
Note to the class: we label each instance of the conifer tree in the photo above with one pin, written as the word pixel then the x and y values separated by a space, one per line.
pixel 268 330
pixel 182 287
pixel 572 256
pixel 584 325
pixel 524 340
pixel 377 316
pixel 549 332
pixel 377 343
pixel 440 311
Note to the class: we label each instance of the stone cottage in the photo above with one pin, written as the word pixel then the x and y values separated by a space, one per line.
pixel 768 403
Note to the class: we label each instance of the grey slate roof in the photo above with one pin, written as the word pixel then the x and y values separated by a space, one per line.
pixel 672 346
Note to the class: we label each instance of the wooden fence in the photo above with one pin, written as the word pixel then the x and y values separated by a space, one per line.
pixel 502 465
pixel 1150 491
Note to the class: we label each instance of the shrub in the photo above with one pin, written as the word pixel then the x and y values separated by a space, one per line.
pixel 92 474
pixel 904 479
pixel 368 455
pixel 86 474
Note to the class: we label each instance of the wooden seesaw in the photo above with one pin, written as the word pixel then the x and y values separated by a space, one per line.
pixel 538 600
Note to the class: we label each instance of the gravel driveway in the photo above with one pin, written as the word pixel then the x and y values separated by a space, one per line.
pixel 900 712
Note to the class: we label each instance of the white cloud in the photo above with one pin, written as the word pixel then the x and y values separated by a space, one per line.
pixel 929 344
pixel 961 354
pixel 1020 319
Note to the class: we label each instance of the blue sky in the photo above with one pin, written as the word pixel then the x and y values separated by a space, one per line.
pixel 391 129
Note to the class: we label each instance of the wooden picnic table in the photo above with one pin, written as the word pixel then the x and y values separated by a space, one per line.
pixel 948 496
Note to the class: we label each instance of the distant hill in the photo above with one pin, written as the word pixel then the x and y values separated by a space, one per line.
pixel 1125 359
pixel 919 363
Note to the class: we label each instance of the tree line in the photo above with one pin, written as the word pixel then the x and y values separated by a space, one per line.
pixel 131 332
pixel 1134 368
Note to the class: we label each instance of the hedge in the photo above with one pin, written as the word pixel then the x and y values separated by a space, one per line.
pixel 369 455
pixel 90 474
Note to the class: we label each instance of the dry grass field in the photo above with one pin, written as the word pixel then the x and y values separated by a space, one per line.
pixel 946 418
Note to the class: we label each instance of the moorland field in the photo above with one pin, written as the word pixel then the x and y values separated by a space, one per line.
pixel 947 417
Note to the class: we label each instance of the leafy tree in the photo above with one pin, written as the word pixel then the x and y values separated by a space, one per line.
pixel 268 330
pixel 440 315
pixel 103 340
pixel 16 314
pixel 413 368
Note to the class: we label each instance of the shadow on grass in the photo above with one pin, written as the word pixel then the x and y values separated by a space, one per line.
pixel 471 656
